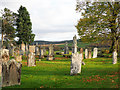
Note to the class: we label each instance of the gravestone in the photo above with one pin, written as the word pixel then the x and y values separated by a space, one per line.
pixel 11 51
pixel 95 52
pixel 31 48
pixel 37 51
pixel 74 46
pixel 11 73
pixel 66 50
pixel 17 56
pixel 114 57
pixel 86 53
pixel 31 59
pixel 41 55
pixel 4 54
pixel 89 53
pixel 23 47
pixel 44 51
pixel 76 63
pixel 81 52
pixel 51 53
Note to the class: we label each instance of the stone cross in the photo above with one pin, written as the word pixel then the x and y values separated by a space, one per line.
pixel 11 73
pixel 66 50
pixel 114 57
pixel 86 53
pixel 31 60
pixel 76 63
pixel 74 47
pixel 95 52
pixel 89 53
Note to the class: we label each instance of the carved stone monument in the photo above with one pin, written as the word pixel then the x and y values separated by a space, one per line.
pixel 74 47
pixel 95 52
pixel 41 55
pixel 11 73
pixel 114 57
pixel 86 53
pixel 66 50
pixel 89 53
pixel 76 63
pixel 51 53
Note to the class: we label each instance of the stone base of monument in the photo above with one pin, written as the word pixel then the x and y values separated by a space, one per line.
pixel 50 58
pixel 11 73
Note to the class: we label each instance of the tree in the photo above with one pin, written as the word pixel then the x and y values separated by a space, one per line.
pixel 100 20
pixel 24 26
pixel 8 21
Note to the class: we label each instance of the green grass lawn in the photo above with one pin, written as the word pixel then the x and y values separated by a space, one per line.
pixel 97 73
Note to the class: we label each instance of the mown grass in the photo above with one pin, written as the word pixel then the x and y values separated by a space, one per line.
pixel 97 73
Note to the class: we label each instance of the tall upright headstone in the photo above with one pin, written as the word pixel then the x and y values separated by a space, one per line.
pixel 76 63
pixel 95 52
pixel 37 51
pixel 89 53
pixel 41 52
pixel 74 46
pixel 86 53
pixel 66 49
pixel 51 53
pixel 81 52
pixel 11 73
pixel 114 57
pixel 23 47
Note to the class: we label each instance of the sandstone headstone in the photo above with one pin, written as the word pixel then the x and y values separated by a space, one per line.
pixel 74 47
pixel 31 60
pixel 89 53
pixel 66 49
pixel 31 48
pixel 11 73
pixel 37 51
pixel 114 57
pixel 95 52
pixel 81 52
pixel 86 53
pixel 23 47
pixel 76 63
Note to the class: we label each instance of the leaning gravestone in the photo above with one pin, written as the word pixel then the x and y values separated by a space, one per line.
pixel 76 63
pixel 89 53
pixel 114 57
pixel 11 73
pixel 95 52
pixel 51 53
pixel 86 53
pixel 74 47
pixel 66 50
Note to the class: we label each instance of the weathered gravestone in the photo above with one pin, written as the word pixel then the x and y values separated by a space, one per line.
pixel 114 57
pixel 89 53
pixel 81 52
pixel 76 63
pixel 23 47
pixel 11 51
pixel 18 57
pixel 11 73
pixel 86 53
pixel 31 59
pixel 41 52
pixel 51 53
pixel 37 51
pixel 31 48
pixel 4 54
pixel 95 52
pixel 66 49
pixel 74 47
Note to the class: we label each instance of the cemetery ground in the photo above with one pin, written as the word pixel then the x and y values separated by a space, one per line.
pixel 97 73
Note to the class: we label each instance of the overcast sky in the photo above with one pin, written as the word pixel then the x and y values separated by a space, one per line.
pixel 52 20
